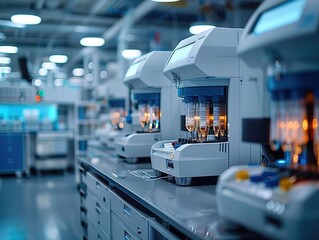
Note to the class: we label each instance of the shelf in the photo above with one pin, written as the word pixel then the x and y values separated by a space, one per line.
pixel 55 134
pixel 84 137
pixel 88 121
pixel 87 103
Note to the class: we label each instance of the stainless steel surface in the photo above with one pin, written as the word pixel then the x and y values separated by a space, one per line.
pixel 191 210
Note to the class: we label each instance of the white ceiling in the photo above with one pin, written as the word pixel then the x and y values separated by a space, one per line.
pixel 154 25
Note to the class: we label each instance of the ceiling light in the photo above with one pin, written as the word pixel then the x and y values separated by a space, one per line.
pixel 5 69
pixel 103 74
pixel 48 65
pixel 25 19
pixel 198 27
pixel 78 72
pixel 5 60
pixel 37 82
pixel 58 58
pixel 43 71
pixel 92 42
pixel 165 0
pixel 8 49
pixel 131 53
pixel 58 82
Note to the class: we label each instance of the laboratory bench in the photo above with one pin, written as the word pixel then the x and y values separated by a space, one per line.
pixel 115 204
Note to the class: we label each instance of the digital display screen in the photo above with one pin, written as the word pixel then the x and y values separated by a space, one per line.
pixel 133 69
pixel 279 16
pixel 181 53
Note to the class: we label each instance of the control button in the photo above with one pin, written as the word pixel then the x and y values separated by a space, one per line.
pixel 256 178
pixel 272 182
pixel 268 174
pixel 285 184
pixel 242 175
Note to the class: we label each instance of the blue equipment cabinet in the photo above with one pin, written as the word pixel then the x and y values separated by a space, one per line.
pixel 12 152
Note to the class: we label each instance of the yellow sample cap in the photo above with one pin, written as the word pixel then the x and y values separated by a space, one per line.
pixel 242 175
pixel 285 184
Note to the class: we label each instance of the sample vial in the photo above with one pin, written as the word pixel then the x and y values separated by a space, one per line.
pixel 203 116
pixel 190 107
pixel 274 123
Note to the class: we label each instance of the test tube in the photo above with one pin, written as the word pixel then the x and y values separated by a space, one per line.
pixel 143 114
pixel 219 118
pixel 315 127
pixel 203 116
pixel 284 108
pixel 152 115
pixel 274 123
pixel 190 113
pixel 216 110
pixel 299 118
pixel 156 116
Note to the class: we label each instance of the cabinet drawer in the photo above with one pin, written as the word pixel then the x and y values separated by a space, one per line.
pixel 99 189
pixel 94 233
pixel 119 231
pixel 83 175
pixel 135 220
pixel 97 215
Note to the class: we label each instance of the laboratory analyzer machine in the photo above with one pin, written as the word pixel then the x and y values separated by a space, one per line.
pixel 215 87
pixel 157 105
pixel 281 199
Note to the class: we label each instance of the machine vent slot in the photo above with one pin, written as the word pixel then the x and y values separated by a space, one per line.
pixel 274 221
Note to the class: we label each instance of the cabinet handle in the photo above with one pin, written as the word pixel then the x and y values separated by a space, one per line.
pixel 98 208
pixel 82 193
pixel 82 170
pixel 127 211
pixel 83 208
pixel 83 223
pixel 127 236
pixel 98 185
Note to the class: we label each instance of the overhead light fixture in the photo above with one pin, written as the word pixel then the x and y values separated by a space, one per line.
pixel 199 27
pixel 26 19
pixel 5 69
pixel 165 0
pixel 103 74
pixel 131 53
pixel 5 60
pixel 78 72
pixel 37 82
pixel 48 65
pixel 43 71
pixel 8 49
pixel 58 82
pixel 58 58
pixel 92 42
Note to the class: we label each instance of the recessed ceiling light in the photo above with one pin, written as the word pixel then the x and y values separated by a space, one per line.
pixel 37 82
pixel 5 60
pixel 58 82
pixel 49 65
pixel 92 41
pixel 43 71
pixel 103 74
pixel 8 49
pixel 5 69
pixel 78 72
pixel 200 27
pixel 26 19
pixel 58 58
pixel 165 0
pixel 131 53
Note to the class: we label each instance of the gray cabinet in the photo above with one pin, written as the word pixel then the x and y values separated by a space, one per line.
pixel 105 215
pixel 134 220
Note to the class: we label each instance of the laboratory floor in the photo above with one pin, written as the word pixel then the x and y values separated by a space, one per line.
pixel 39 208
